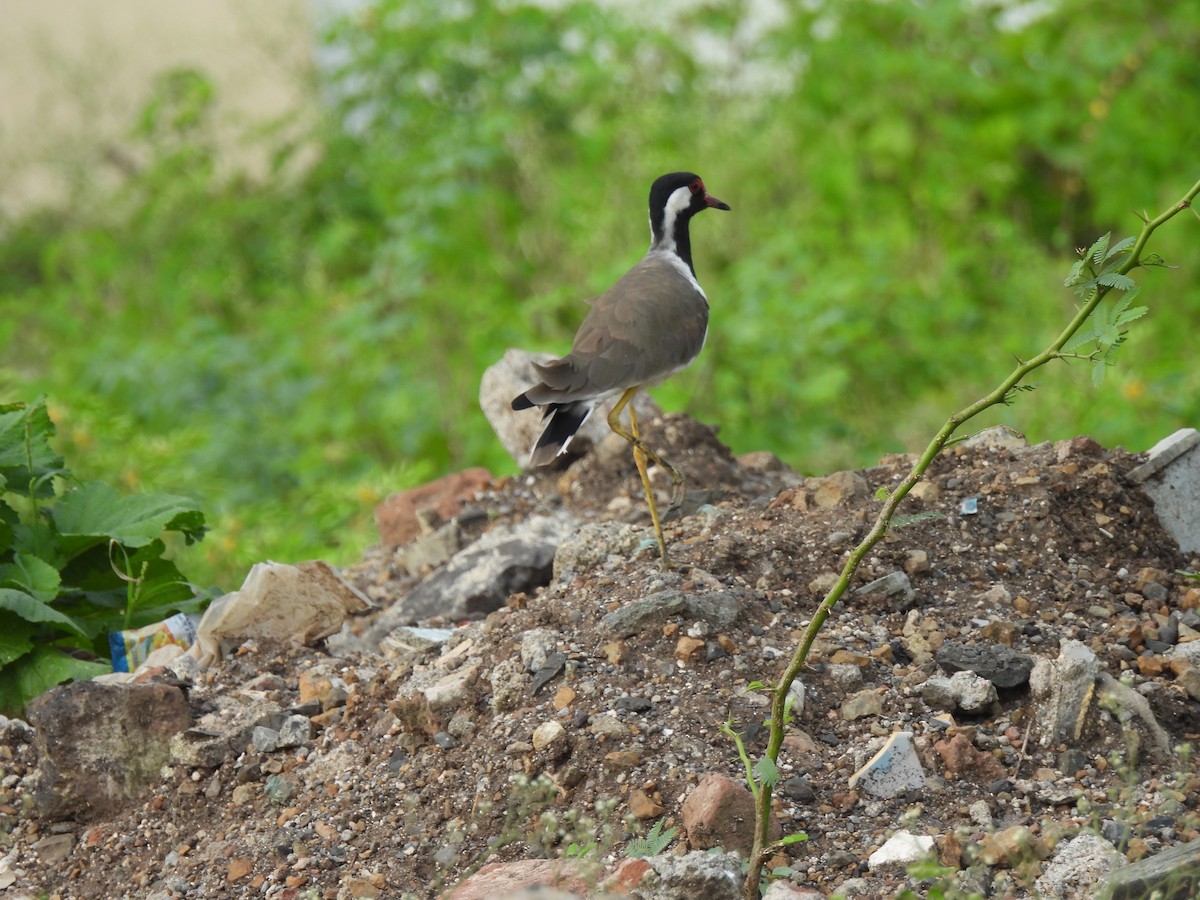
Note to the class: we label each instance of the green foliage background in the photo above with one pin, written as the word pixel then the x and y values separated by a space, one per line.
pixel 909 182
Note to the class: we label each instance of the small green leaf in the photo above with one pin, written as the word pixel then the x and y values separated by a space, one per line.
pixel 882 493
pixel 1116 280
pixel 796 838
pixel 1096 251
pixel 1075 275
pixel 766 772
pixel 1131 315
pixel 1119 247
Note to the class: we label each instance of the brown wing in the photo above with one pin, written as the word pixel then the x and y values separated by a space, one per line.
pixel 648 325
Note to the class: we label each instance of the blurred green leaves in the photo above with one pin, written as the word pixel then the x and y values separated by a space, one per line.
pixel 905 178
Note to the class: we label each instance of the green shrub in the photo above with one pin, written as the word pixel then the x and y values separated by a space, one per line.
pixel 77 561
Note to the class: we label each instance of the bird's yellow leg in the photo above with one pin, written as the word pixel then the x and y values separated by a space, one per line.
pixel 640 455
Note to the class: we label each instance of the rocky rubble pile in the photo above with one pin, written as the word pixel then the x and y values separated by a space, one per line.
pixel 1010 688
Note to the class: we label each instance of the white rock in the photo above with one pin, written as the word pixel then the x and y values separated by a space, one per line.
pixel 902 849
pixel 546 734
pixel 972 693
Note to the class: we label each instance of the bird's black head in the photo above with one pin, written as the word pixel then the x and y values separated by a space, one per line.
pixel 674 199
pixel 682 194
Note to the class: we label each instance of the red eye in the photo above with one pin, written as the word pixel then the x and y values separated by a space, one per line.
pixel 697 186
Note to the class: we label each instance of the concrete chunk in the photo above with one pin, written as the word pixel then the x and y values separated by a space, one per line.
pixel 1171 478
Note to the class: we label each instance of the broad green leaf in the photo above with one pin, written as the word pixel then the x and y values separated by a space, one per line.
pixel 16 637
pixel 32 575
pixel 38 671
pixel 31 609
pixel 26 457
pixel 8 518
pixel 96 512
pixel 38 539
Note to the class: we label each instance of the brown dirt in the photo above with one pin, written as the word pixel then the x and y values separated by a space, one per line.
pixel 376 801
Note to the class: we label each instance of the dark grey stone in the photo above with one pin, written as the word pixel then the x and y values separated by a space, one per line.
pixel 797 788
pixel 1071 761
pixel 1002 666
pixel 479 579
pixel 634 704
pixel 718 608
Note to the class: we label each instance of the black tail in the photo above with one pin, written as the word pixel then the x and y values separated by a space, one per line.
pixel 564 420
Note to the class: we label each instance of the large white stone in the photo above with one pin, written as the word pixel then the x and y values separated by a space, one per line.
pixel 901 850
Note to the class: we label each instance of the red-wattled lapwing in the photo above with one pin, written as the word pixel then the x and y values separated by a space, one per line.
pixel 641 331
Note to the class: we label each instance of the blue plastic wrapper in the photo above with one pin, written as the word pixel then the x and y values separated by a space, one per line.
pixel 130 648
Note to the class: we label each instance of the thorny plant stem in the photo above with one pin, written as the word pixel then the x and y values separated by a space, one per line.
pixel 762 817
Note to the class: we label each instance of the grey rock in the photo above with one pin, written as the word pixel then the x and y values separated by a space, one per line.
pixel 1127 705
pixel 1071 761
pixel 938 694
pixel 711 875
pixel 480 578
pixel 798 789
pixel 894 770
pixel 1062 691
pixel 718 608
pixel 264 739
pixel 536 646
pixel 867 702
pixel 101 746
pixel 963 690
pixel 1077 866
pixel 1172 874
pixel 517 431
pixel 428 551
pixel 54 849
pixel 1171 478
pixel 222 733
pixel 591 545
pixel 1002 666
pixel 295 731
pixel 410 644
pixel 895 586
pixel 997 437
